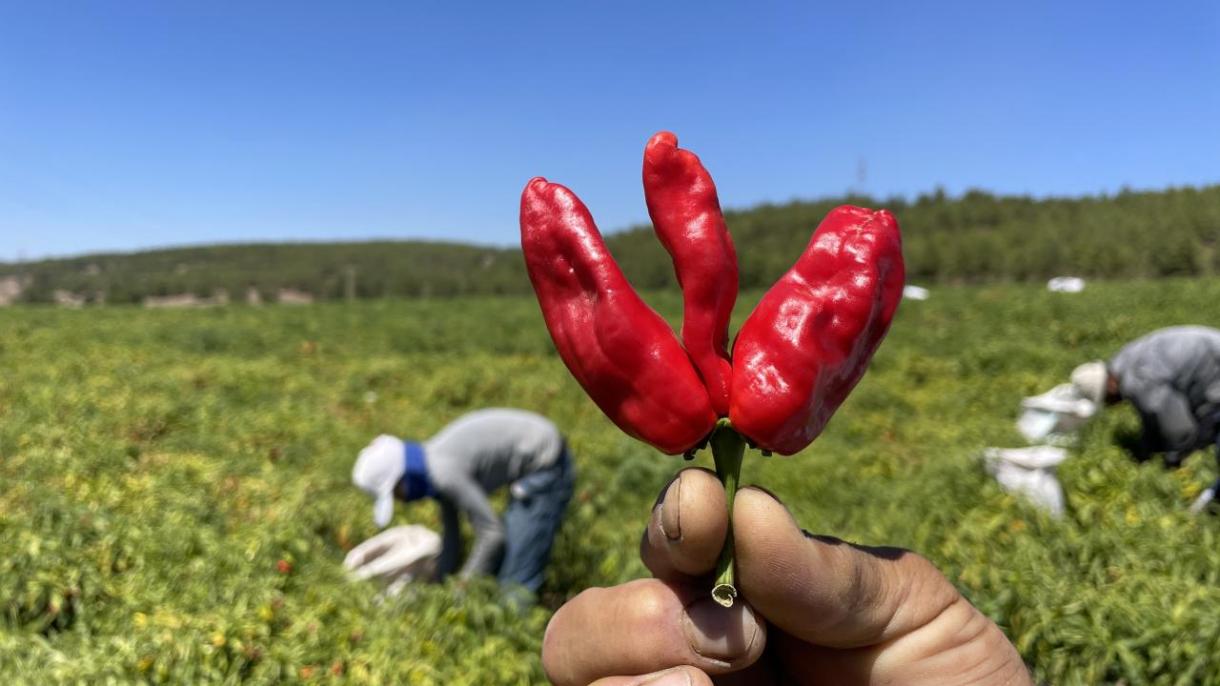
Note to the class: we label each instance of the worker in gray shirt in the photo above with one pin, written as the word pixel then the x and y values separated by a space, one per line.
pixel 1172 377
pixel 460 467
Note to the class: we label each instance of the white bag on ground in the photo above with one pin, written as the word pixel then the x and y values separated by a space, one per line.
pixel 1065 284
pixel 1055 415
pixel 1029 472
pixel 1205 498
pixel 395 556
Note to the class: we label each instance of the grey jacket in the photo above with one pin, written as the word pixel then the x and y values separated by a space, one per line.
pixel 1172 376
pixel 473 457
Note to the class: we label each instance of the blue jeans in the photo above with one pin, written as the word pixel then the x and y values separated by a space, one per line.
pixel 531 522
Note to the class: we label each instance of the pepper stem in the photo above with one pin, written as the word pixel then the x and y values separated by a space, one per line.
pixel 727 449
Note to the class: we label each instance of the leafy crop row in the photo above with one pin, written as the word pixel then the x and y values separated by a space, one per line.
pixel 174 497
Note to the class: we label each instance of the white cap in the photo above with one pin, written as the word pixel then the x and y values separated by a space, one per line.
pixel 377 471
pixel 1089 379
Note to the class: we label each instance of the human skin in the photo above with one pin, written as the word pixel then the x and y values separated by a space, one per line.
pixel 816 610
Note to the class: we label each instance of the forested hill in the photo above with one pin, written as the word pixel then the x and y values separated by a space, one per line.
pixel 239 272
pixel 982 237
pixel 975 237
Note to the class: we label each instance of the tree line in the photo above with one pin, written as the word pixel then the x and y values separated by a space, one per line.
pixel 974 237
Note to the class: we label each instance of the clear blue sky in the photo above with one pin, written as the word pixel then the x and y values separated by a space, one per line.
pixel 135 124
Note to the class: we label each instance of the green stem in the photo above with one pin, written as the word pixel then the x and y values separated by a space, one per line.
pixel 727 449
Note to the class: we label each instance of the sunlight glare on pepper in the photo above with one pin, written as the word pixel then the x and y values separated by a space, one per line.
pixel 791 318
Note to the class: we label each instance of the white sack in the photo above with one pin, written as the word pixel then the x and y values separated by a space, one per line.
pixel 1029 472
pixel 395 556
pixel 1065 284
pixel 1054 415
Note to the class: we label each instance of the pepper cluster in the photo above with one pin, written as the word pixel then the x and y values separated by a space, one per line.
pixel 796 357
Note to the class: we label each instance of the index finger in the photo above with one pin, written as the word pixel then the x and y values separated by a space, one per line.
pixel 647 625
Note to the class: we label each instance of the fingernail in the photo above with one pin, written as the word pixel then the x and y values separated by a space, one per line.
pixel 671 511
pixel 764 491
pixel 720 633
pixel 672 677
pixel 768 491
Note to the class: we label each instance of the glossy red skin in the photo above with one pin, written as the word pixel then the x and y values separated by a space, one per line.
pixel 810 339
pixel 622 352
pixel 686 215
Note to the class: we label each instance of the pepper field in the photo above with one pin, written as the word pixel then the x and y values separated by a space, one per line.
pixel 175 504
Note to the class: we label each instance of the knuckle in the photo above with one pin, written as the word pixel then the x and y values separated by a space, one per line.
pixel 921 568
pixel 650 602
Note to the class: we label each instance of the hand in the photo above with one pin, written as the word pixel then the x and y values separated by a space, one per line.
pixel 395 556
pixel 810 609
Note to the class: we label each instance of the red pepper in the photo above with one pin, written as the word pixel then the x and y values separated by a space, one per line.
pixel 797 356
pixel 620 350
pixel 810 339
pixel 686 215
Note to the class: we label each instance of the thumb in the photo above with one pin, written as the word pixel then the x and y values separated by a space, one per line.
pixel 827 592
pixel 870 615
